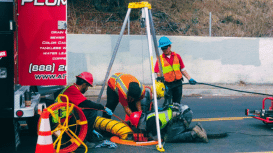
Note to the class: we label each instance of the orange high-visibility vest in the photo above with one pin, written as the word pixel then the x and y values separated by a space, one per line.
pixel 171 72
pixel 121 81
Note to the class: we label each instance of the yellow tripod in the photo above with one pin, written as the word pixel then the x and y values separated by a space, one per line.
pixel 147 19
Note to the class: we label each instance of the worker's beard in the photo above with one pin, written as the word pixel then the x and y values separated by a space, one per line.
pixel 84 90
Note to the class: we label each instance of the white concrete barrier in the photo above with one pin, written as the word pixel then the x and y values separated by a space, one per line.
pixel 207 59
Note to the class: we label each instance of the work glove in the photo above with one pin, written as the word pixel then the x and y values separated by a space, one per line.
pixel 107 143
pixel 192 81
pixel 97 134
pixel 160 109
pixel 108 111
pixel 160 79
pixel 175 107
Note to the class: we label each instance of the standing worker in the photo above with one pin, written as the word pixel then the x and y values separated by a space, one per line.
pixel 173 70
pixel 75 95
pixel 127 90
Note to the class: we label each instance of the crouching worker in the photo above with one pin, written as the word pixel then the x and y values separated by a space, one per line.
pixel 175 125
pixel 174 122
pixel 75 95
pixel 127 90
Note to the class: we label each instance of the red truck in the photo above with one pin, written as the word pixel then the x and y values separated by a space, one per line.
pixel 22 95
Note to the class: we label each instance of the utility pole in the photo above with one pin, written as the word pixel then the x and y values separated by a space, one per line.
pixel 210 24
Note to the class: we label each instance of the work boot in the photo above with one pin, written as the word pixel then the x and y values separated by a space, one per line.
pixel 200 132
pixel 200 125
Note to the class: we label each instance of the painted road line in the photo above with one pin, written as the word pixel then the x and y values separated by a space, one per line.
pixel 257 152
pixel 218 119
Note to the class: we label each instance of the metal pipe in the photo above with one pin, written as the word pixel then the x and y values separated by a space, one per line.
pixel 152 75
pixel 114 54
pixel 210 24
pixel 155 43
pixel 129 25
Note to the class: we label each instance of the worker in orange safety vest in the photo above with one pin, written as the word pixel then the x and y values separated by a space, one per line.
pixel 173 70
pixel 127 90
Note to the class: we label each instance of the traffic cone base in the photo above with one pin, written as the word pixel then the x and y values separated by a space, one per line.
pixel 44 142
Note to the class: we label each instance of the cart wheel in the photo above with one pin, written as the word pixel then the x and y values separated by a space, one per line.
pixel 268 124
pixel 67 135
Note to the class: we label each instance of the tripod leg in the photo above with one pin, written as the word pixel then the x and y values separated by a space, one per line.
pixel 159 147
pixel 155 42
pixel 114 53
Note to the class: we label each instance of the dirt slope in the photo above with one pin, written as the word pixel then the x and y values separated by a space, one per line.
pixel 230 18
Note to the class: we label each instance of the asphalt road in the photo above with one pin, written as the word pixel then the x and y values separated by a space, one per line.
pixel 216 114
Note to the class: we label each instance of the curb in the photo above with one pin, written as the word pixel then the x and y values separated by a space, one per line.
pixel 202 90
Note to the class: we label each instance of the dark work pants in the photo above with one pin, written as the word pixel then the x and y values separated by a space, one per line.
pixel 177 132
pixel 113 100
pixel 91 116
pixel 173 92
pixel 176 93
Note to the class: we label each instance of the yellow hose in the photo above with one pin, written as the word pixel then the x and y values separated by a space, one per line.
pixel 115 127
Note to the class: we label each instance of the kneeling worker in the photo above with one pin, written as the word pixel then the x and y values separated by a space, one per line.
pixel 127 90
pixel 174 122
pixel 75 95
pixel 175 128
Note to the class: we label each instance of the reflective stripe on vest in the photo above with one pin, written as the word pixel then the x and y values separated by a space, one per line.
pixel 164 117
pixel 56 100
pixel 173 72
pixel 123 88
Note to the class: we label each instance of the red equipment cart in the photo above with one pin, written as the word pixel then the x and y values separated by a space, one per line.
pixel 264 115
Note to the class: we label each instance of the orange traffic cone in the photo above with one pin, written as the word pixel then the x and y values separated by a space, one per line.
pixel 44 142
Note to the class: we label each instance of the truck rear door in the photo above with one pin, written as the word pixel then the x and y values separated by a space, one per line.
pixel 6 60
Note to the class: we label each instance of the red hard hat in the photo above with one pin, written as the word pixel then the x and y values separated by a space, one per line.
pixel 134 118
pixel 88 77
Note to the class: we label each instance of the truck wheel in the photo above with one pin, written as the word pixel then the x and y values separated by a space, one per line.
pixel 32 123
pixel 7 128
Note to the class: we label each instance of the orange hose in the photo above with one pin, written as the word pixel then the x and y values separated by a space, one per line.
pixel 117 140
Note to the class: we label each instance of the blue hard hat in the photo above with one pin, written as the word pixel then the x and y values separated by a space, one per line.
pixel 164 41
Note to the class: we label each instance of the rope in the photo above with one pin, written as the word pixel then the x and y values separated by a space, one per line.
pixel 231 89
